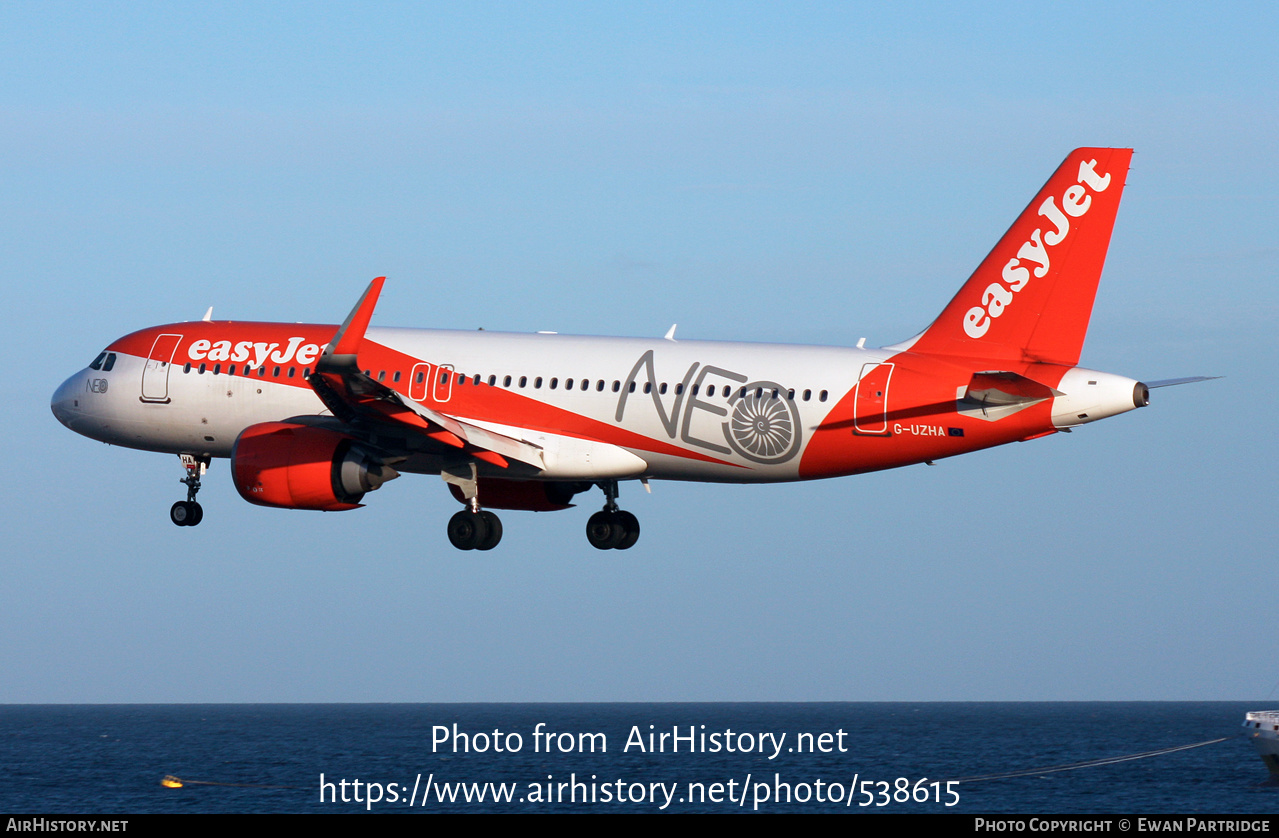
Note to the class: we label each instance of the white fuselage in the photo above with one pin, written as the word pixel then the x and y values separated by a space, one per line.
pixel 678 394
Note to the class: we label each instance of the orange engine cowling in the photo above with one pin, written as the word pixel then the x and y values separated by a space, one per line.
pixel 301 467
pixel 528 495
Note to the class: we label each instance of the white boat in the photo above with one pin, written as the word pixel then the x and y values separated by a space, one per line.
pixel 1262 727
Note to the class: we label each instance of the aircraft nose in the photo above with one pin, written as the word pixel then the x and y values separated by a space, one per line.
pixel 66 400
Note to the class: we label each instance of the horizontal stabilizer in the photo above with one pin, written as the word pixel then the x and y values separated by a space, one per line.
pixel 1173 382
pixel 993 395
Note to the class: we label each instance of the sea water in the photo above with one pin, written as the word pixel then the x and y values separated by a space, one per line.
pixel 711 757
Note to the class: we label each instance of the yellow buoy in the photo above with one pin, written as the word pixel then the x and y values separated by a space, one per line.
pixel 171 782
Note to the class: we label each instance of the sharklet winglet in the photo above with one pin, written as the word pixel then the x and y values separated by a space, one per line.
pixel 343 347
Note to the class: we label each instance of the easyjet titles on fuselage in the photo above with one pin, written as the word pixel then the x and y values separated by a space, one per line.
pixel 223 350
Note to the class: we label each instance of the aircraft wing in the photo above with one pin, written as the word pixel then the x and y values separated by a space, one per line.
pixel 354 397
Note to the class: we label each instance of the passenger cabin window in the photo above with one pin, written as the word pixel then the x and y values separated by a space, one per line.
pixel 822 396
pixel 396 377
pixel 506 382
pixel 523 381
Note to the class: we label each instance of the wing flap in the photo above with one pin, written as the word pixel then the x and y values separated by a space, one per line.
pixel 474 435
pixel 994 394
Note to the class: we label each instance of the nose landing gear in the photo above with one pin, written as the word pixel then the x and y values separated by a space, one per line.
pixel 188 513
pixel 612 528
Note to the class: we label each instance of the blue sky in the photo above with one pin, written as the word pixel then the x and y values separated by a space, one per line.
pixel 800 173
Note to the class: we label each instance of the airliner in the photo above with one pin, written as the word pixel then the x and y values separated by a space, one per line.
pixel 317 416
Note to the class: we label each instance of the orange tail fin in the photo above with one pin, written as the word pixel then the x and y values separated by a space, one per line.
pixel 1031 297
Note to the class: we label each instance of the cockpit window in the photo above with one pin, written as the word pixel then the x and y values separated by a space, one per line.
pixel 97 362
pixel 110 362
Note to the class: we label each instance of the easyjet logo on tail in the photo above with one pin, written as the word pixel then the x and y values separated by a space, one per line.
pixel 1034 254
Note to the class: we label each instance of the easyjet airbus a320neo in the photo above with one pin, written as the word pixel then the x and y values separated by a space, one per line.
pixel 315 416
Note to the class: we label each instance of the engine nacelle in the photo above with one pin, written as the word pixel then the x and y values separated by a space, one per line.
pixel 527 495
pixel 302 467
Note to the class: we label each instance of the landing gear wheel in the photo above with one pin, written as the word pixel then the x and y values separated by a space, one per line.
pixel 604 531
pixel 467 530
pixel 493 525
pixel 630 529
pixel 186 513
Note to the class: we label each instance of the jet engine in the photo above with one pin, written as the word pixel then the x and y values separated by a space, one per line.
pixel 303 467
pixel 527 495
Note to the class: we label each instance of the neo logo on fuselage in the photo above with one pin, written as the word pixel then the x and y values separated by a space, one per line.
pixel 762 423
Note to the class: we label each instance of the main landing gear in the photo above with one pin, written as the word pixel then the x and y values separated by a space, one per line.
pixel 612 528
pixel 188 513
pixel 475 530
pixel 478 529
pixel 472 528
